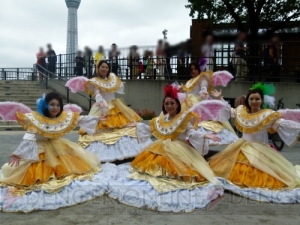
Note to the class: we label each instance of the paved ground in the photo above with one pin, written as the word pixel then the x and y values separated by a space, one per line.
pixel 231 209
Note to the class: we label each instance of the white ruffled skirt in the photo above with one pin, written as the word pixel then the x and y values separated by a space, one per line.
pixel 77 191
pixel 226 136
pixel 264 195
pixel 126 147
pixel 140 193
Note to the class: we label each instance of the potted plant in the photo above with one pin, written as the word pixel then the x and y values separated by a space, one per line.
pixel 146 115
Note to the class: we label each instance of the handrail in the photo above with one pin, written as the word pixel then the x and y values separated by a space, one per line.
pixel 45 75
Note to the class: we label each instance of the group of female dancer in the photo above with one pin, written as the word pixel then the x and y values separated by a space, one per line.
pixel 45 165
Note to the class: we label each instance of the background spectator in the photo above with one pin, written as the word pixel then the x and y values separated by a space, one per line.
pixel 181 60
pixel 208 52
pixel 160 60
pixel 168 54
pixel 99 55
pixel 79 64
pixel 133 62
pixel 150 66
pixel 52 58
pixel 239 57
pixel 88 61
pixel 274 59
pixel 113 56
pixel 41 63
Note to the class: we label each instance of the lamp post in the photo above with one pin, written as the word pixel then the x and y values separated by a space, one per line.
pixel 165 33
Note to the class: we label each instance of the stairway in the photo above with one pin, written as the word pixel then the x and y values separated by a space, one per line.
pixel 22 91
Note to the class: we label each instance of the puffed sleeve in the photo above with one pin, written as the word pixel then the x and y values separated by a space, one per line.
pixel 203 84
pixel 99 99
pixel 288 130
pixel 28 149
pixel 121 89
pixel 197 140
pixel 227 112
pixel 88 123
pixel 143 132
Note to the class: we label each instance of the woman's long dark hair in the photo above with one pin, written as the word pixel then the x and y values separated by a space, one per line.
pixel 253 92
pixel 100 63
pixel 50 97
pixel 176 100
pixel 195 65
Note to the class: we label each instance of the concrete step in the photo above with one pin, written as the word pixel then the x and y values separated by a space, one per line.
pixel 20 93
pixel 21 84
pixel 19 98
pixel 16 127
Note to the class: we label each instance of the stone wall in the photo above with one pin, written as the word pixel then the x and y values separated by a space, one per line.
pixel 145 94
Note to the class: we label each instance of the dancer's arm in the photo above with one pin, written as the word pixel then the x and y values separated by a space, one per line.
pixel 88 123
pixel 27 150
pixel 143 132
pixel 288 130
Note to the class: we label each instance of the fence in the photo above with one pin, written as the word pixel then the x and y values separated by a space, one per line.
pixel 253 63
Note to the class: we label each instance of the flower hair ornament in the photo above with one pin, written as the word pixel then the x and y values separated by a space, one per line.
pixel 41 104
pixel 202 64
pixel 171 91
pixel 267 90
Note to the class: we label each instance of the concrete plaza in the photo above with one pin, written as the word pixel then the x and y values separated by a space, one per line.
pixel 230 209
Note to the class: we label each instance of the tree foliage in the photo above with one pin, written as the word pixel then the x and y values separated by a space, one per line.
pixel 248 15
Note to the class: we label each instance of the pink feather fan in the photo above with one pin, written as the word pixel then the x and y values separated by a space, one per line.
pixel 181 96
pixel 72 108
pixel 221 78
pixel 8 110
pixel 209 109
pixel 290 114
pixel 76 84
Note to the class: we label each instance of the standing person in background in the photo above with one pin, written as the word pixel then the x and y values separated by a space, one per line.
pixel 168 53
pixel 113 56
pixel 133 62
pixel 181 55
pixel 88 61
pixel 208 52
pixel 160 60
pixel 150 66
pixel 274 60
pixel 79 64
pixel 41 63
pixel 98 57
pixel 239 56
pixel 52 58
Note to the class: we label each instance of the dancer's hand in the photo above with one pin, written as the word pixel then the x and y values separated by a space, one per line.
pixel 102 118
pixel 102 104
pixel 14 161
pixel 217 94
pixel 131 125
pixel 212 137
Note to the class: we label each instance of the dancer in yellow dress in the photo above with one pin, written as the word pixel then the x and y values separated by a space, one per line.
pixel 113 139
pixel 170 165
pixel 250 166
pixel 45 164
pixel 196 90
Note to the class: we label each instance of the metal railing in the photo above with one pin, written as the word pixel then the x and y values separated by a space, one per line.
pixel 18 74
pixel 253 64
pixel 47 75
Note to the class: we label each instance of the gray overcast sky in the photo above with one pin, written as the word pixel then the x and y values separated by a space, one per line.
pixel 28 24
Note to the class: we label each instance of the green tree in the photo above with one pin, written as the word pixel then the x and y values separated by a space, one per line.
pixel 248 15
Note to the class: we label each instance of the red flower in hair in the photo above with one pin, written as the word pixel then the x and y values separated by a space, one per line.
pixel 171 92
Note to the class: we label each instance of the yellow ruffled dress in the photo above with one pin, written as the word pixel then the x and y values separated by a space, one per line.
pixel 171 157
pixel 192 89
pixel 251 162
pixel 46 156
pixel 113 139
pixel 169 175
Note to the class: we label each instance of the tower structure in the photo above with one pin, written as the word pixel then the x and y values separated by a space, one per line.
pixel 72 32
